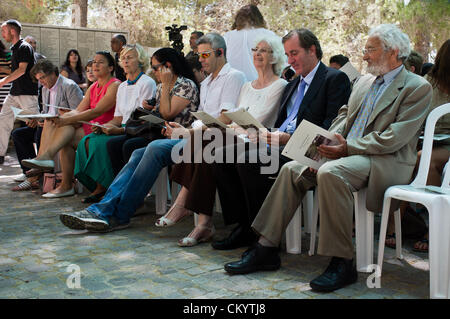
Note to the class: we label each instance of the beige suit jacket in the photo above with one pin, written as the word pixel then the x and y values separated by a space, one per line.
pixel 392 131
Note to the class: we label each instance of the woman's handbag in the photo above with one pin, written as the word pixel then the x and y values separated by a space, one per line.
pixel 135 127
pixel 53 180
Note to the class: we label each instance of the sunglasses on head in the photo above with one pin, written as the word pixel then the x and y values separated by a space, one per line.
pixel 156 67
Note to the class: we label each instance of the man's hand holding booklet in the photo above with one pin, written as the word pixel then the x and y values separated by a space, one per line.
pixel 304 143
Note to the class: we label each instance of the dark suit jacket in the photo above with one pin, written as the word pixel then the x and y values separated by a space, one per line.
pixel 329 90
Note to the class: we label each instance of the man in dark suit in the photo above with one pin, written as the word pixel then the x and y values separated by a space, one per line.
pixel 316 95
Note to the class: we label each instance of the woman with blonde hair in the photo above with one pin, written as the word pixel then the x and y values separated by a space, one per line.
pixel 92 164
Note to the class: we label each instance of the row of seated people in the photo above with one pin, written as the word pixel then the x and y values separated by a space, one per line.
pixel 377 125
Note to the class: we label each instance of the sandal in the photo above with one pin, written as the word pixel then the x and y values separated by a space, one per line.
pixel 390 236
pixel 191 241
pixel 25 186
pixel 417 245
pixel 166 222
pixel 93 198
pixel 36 172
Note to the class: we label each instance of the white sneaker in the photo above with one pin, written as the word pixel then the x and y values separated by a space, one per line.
pixel 20 178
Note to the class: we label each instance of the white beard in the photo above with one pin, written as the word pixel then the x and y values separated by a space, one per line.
pixel 378 69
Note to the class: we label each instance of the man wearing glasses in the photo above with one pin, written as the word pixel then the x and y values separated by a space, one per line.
pixel 377 132
pixel 219 92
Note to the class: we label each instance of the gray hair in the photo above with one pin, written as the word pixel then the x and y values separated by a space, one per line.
pixel 215 40
pixel 392 38
pixel 279 58
pixel 29 37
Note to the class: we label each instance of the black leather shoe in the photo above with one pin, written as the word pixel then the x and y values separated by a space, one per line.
pixel 258 258
pixel 239 237
pixel 339 273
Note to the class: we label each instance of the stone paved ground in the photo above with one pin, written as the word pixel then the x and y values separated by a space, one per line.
pixel 144 261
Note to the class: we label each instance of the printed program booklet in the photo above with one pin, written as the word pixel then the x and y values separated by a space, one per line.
pixel 23 116
pixel 244 119
pixel 208 120
pixel 302 146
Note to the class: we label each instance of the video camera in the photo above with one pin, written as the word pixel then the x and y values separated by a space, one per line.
pixel 176 37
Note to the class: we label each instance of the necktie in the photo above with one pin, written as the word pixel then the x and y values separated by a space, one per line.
pixel 359 125
pixel 297 103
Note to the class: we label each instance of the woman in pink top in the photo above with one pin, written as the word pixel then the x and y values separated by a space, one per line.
pixel 97 106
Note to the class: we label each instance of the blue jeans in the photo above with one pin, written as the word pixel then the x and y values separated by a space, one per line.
pixel 132 184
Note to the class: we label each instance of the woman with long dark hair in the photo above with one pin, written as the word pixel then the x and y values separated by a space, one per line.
pixel 248 25
pixel 73 68
pixel 176 81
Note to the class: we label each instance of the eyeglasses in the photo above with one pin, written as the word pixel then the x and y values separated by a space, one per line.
pixel 204 55
pixel 262 51
pixel 369 50
pixel 156 67
pixel 127 58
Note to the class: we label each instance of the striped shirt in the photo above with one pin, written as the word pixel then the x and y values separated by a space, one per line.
pixel 4 90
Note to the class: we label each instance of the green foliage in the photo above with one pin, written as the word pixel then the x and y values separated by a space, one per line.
pixel 341 25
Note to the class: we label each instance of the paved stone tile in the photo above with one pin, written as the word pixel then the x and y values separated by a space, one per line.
pixel 144 261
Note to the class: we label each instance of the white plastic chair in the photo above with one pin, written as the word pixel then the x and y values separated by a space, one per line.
pixel 160 190
pixel 294 229
pixel 437 202
pixel 364 235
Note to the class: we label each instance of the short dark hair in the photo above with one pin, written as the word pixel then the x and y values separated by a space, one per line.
pixel 426 67
pixel 15 25
pixel 121 38
pixel 416 60
pixel 199 34
pixel 307 39
pixel 43 66
pixel 339 59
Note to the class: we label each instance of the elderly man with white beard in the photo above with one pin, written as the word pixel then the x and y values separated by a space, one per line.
pixel 378 131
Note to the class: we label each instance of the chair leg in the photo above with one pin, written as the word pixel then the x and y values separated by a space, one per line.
pixel 383 230
pixel 398 234
pixel 308 208
pixel 314 219
pixel 364 233
pixel 161 192
pixel 294 233
pixel 439 250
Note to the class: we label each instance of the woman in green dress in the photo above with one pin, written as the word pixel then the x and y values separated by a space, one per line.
pixel 93 165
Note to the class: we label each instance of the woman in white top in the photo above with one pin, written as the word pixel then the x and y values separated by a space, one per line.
pixel 93 165
pixel 261 98
pixel 248 25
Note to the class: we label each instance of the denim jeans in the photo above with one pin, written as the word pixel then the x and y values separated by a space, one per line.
pixel 132 184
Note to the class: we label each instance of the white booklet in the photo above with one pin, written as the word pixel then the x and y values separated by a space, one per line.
pixel 350 70
pixel 92 124
pixel 244 119
pixel 302 145
pixel 23 116
pixel 208 120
